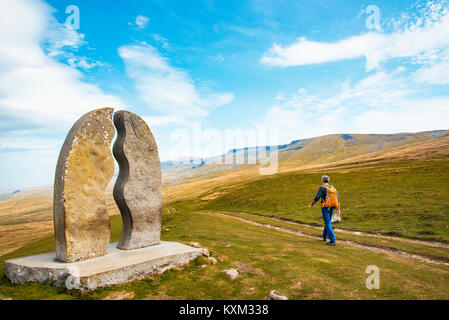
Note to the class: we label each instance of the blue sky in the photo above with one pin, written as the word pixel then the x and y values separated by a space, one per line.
pixel 302 68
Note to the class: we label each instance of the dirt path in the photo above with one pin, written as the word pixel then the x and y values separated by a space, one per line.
pixel 389 251
pixel 434 244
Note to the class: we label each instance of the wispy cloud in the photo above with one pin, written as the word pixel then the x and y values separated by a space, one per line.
pixel 219 57
pixel 414 36
pixel 166 89
pixel 164 43
pixel 392 98
pixel 235 28
pixel 141 22
pixel 60 37
pixel 381 89
pixel 379 103
pixel 84 62
pixel 36 88
pixel 62 42
pixel 40 97
pixel 435 69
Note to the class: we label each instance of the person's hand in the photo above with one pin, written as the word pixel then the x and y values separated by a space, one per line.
pixel 338 212
pixel 310 206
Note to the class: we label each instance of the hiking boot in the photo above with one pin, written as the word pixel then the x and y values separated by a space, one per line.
pixel 331 243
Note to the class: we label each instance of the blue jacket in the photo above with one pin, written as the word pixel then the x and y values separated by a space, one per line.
pixel 322 194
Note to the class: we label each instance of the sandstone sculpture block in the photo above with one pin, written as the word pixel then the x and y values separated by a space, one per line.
pixel 137 192
pixel 85 167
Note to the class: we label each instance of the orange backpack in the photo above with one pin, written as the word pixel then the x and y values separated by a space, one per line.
pixel 331 200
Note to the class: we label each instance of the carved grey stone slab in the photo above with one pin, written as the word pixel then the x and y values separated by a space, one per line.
pixel 85 167
pixel 137 192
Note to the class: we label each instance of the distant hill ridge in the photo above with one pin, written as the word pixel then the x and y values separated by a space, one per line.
pixel 333 148
pixel 319 150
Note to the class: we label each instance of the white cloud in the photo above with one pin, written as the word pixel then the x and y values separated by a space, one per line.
pixel 305 52
pixel 381 89
pixel 436 70
pixel 426 33
pixel 39 96
pixel 62 40
pixel 141 22
pixel 154 121
pixel 161 40
pixel 167 89
pixel 84 63
pixel 35 89
pixel 409 116
pixel 61 36
pixel 383 102
pixel 379 103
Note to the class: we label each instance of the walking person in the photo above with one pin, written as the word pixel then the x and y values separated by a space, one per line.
pixel 329 202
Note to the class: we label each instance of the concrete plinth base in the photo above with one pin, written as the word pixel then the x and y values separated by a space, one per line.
pixel 117 266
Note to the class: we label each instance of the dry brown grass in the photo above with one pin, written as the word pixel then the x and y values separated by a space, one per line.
pixel 23 221
pixel 29 217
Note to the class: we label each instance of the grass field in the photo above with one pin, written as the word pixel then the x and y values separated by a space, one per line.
pixel 408 199
pixel 267 259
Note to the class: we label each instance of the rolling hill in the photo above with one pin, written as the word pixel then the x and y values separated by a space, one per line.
pixel 183 179
pixel 298 153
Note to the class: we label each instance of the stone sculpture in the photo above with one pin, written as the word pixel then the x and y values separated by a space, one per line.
pixel 137 191
pixel 85 167
pixel 82 228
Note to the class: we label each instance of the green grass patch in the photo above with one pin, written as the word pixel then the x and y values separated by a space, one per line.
pixel 266 259
pixel 435 253
pixel 407 199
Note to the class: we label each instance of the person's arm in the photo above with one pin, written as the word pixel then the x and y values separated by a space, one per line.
pixel 317 197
